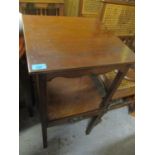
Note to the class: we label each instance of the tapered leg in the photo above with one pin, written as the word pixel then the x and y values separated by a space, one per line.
pixel 132 106
pixel 43 107
pixel 105 103
pixel 92 123
pixel 44 135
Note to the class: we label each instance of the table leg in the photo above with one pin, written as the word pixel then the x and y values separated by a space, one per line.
pixel 29 96
pixel 44 134
pixel 132 105
pixel 26 85
pixel 36 90
pixel 105 103
pixel 42 107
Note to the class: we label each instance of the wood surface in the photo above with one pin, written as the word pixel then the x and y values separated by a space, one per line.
pixel 104 106
pixel 42 94
pixel 21 46
pixel 64 43
pixel 126 88
pixel 41 1
pixel 71 7
pixel 130 75
pixel 124 93
pixel 72 47
pixel 69 97
pixel 117 16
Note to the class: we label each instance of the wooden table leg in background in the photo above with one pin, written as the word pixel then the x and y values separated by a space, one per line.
pixel 26 85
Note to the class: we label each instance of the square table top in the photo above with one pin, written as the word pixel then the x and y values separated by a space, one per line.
pixel 63 43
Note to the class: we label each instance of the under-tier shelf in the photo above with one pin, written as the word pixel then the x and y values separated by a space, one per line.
pixel 71 96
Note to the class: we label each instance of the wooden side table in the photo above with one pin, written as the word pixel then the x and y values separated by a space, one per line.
pixel 66 54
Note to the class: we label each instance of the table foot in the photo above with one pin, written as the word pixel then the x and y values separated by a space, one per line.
pixel 44 136
pixel 95 120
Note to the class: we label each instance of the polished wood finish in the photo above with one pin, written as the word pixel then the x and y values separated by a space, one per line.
pixel 35 7
pixel 69 97
pixel 25 82
pixel 74 48
pixel 64 43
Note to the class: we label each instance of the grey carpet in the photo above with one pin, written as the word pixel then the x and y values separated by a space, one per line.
pixel 113 136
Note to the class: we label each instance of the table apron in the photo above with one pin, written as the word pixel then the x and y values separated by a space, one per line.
pixel 85 71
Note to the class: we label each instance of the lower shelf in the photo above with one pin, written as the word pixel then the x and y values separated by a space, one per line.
pixel 68 97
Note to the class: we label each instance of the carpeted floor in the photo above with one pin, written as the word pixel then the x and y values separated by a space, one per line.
pixel 115 135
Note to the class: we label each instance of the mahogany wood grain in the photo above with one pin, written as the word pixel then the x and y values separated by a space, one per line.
pixel 68 97
pixel 71 42
pixel 72 47
pixel 73 118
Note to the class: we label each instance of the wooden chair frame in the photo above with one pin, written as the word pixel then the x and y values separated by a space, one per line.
pixel 42 8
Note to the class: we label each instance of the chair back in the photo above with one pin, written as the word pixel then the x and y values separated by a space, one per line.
pixel 42 8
